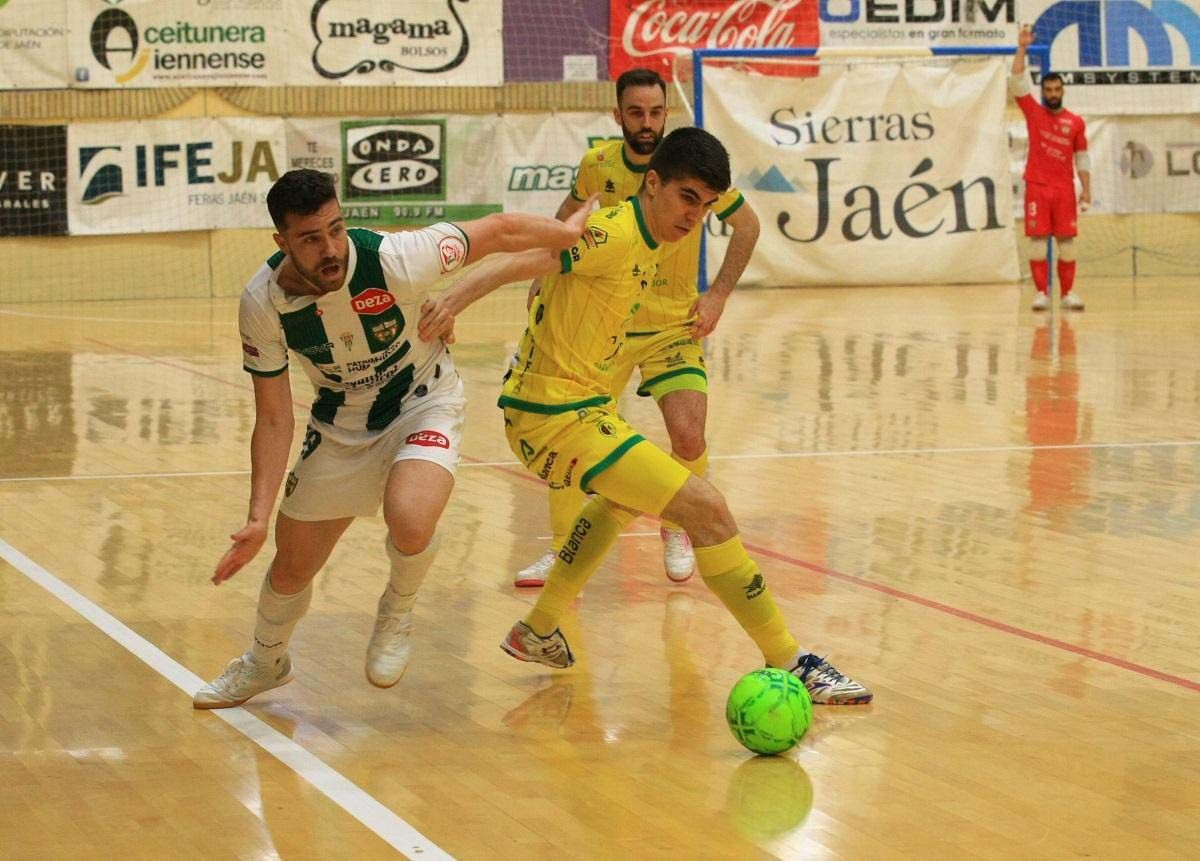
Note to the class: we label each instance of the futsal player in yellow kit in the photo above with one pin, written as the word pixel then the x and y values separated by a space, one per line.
pixel 663 338
pixel 562 423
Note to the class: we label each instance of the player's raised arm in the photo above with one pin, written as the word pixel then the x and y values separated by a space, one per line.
pixel 514 232
pixel 1024 40
pixel 437 317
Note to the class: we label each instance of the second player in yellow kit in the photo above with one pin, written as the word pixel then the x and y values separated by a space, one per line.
pixel 663 338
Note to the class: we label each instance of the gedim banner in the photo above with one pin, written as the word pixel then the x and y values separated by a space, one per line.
pixel 896 173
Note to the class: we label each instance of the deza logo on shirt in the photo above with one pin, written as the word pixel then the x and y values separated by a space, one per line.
pixel 373 301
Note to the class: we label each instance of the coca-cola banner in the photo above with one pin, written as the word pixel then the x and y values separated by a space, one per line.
pixel 882 173
pixel 650 33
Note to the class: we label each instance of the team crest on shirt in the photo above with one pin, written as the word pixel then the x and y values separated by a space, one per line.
pixel 595 237
pixel 452 252
pixel 348 340
pixel 609 186
pixel 385 331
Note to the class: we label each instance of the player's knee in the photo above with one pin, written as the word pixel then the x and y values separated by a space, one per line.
pixel 688 443
pixel 701 510
pixel 410 535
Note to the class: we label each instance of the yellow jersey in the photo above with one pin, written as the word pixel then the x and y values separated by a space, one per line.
pixel 606 170
pixel 577 323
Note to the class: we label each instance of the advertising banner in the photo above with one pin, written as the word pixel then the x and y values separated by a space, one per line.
pixel 537 155
pixel 1145 164
pixel 415 43
pixel 649 33
pixel 177 43
pixel 165 175
pixel 33 44
pixel 867 24
pixel 33 180
pixel 1122 56
pixel 892 173
pixel 395 173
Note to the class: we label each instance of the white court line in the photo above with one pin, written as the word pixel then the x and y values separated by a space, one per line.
pixel 782 455
pixel 358 803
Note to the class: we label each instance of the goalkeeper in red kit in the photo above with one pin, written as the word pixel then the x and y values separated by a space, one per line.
pixel 1057 151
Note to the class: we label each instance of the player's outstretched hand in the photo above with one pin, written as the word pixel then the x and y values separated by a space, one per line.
pixel 1025 37
pixel 436 321
pixel 706 313
pixel 1085 203
pixel 577 221
pixel 246 544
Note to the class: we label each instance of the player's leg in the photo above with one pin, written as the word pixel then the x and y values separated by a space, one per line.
pixel 673 374
pixel 567 501
pixel 1038 212
pixel 423 447
pixel 302 549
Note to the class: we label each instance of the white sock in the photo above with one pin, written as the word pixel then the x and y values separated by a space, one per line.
pixel 277 617
pixel 408 572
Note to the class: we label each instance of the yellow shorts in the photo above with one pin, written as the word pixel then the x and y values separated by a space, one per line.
pixel 597 451
pixel 670 361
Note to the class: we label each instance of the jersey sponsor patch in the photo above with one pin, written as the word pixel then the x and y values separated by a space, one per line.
pixel 430 438
pixel 372 301
pixel 452 251
pixel 250 350
pixel 595 236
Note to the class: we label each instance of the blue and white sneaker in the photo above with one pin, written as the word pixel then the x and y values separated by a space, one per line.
pixel 826 685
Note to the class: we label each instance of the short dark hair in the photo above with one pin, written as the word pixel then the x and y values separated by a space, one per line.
pixel 640 78
pixel 692 153
pixel 299 192
pixel 1051 76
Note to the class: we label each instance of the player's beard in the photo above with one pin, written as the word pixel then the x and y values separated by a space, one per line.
pixel 642 145
pixel 1052 104
pixel 318 279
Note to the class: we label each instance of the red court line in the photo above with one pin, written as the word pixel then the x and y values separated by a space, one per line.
pixel 900 594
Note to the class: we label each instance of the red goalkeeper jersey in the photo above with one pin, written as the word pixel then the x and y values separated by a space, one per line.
pixel 1054 138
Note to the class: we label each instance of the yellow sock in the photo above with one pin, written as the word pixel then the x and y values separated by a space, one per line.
pixel 565 505
pixel 735 579
pixel 698 467
pixel 596 528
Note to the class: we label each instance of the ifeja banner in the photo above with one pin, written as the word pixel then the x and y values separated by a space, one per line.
pixel 891 173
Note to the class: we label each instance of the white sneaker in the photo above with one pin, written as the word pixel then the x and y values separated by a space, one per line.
pixel 679 559
pixel 243 678
pixel 524 645
pixel 535 575
pixel 1040 302
pixel 387 653
pixel 826 685
pixel 1072 302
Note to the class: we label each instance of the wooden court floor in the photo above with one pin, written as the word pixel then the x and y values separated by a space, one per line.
pixel 989 517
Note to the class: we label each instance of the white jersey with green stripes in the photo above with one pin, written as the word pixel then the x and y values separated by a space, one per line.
pixel 358 344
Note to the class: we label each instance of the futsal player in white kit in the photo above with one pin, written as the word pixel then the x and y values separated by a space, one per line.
pixel 386 422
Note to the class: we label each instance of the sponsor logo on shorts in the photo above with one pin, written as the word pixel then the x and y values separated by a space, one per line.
pixel 452 252
pixel 568 479
pixel 756 587
pixel 433 439
pixel 290 487
pixel 575 540
pixel 250 350
pixel 547 465
pixel 372 301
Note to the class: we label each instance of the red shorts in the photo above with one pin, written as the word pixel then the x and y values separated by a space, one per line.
pixel 1050 210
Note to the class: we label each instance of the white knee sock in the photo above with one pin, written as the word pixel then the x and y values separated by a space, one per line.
pixel 408 572
pixel 277 617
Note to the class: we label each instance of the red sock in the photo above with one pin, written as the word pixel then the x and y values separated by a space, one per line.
pixel 1040 270
pixel 1066 275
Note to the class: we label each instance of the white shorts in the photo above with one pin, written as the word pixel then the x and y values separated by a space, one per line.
pixel 332 480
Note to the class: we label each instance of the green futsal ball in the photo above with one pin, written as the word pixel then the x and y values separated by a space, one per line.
pixel 768 711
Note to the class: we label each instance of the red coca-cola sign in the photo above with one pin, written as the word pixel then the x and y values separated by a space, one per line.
pixel 649 33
